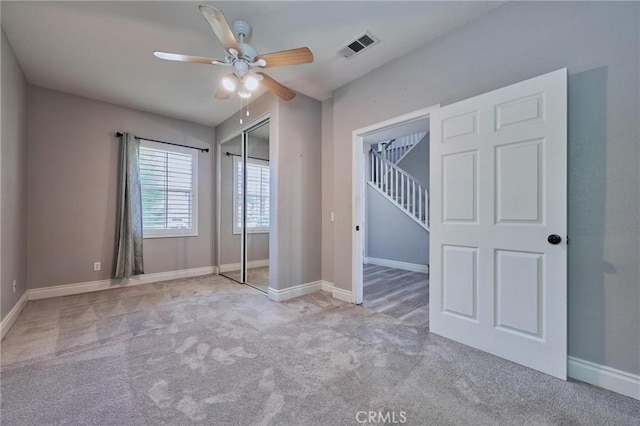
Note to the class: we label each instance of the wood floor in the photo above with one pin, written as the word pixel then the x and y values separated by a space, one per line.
pixel 398 293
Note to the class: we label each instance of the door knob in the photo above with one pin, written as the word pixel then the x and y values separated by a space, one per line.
pixel 554 239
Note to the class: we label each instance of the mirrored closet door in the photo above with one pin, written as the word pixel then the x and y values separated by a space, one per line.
pixel 257 207
pixel 245 207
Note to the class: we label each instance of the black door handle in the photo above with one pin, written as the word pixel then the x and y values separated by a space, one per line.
pixel 554 239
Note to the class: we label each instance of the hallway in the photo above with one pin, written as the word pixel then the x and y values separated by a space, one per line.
pixel 398 293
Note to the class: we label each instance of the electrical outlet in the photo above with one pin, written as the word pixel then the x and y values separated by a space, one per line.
pixel 96 266
pixel 14 286
pixel 332 217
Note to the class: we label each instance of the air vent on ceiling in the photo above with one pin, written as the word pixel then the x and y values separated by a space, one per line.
pixel 358 45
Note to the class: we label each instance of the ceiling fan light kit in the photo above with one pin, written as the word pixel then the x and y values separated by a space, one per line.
pixel 244 93
pixel 229 83
pixel 243 58
pixel 251 83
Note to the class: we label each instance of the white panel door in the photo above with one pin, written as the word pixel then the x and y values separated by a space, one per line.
pixel 498 192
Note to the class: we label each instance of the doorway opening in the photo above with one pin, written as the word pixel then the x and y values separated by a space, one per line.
pixel 245 206
pixel 391 217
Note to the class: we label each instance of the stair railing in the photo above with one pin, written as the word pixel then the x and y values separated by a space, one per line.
pixel 395 149
pixel 407 192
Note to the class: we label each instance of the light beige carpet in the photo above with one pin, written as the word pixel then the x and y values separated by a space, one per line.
pixel 209 351
pixel 256 277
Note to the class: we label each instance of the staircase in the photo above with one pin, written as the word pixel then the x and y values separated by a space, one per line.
pixel 403 190
pixel 396 149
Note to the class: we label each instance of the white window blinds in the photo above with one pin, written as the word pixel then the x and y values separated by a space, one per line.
pixel 257 195
pixel 168 181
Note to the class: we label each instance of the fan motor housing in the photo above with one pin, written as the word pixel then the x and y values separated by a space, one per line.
pixel 240 68
pixel 241 29
pixel 248 51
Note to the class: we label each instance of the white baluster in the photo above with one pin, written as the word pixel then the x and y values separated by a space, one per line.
pixel 391 183
pixel 405 192
pixel 395 195
pixel 413 196
pixel 375 170
pixel 426 197
pixel 419 203
pixel 372 160
pixel 402 190
pixel 385 177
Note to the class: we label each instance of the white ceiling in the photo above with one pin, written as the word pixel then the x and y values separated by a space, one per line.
pixel 103 50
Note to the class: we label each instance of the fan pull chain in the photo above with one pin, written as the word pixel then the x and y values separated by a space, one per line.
pixel 245 107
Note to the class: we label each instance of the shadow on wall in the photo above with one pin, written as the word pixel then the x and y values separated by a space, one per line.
pixel 587 138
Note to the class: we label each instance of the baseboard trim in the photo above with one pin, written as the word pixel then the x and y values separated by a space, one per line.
pixel 229 267
pixel 295 291
pixel 413 267
pixel 337 293
pixel 618 381
pixel 91 286
pixel 11 317
pixel 327 286
pixel 344 295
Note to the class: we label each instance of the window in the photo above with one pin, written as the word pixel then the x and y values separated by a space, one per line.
pixel 257 195
pixel 168 177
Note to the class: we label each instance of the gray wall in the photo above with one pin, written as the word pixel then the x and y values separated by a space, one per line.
pixel 295 155
pixel 299 200
pixel 598 42
pixel 416 163
pixel 391 234
pixel 72 172
pixel 13 224
pixel 257 244
pixel 327 190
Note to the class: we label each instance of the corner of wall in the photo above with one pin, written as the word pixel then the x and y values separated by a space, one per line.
pixel 13 168
pixel 299 191
pixel 327 190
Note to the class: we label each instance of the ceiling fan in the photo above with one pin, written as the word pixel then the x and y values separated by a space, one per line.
pixel 247 65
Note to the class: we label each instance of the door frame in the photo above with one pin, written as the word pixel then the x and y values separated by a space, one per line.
pixel 255 123
pixel 358 163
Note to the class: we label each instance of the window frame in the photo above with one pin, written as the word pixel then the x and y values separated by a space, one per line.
pixel 237 230
pixel 176 233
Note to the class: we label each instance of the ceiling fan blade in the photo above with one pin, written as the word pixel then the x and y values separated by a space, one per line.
pixel 219 25
pixel 222 94
pixel 277 88
pixel 298 56
pixel 186 58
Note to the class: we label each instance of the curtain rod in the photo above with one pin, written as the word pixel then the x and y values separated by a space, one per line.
pixel 228 154
pixel 167 143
